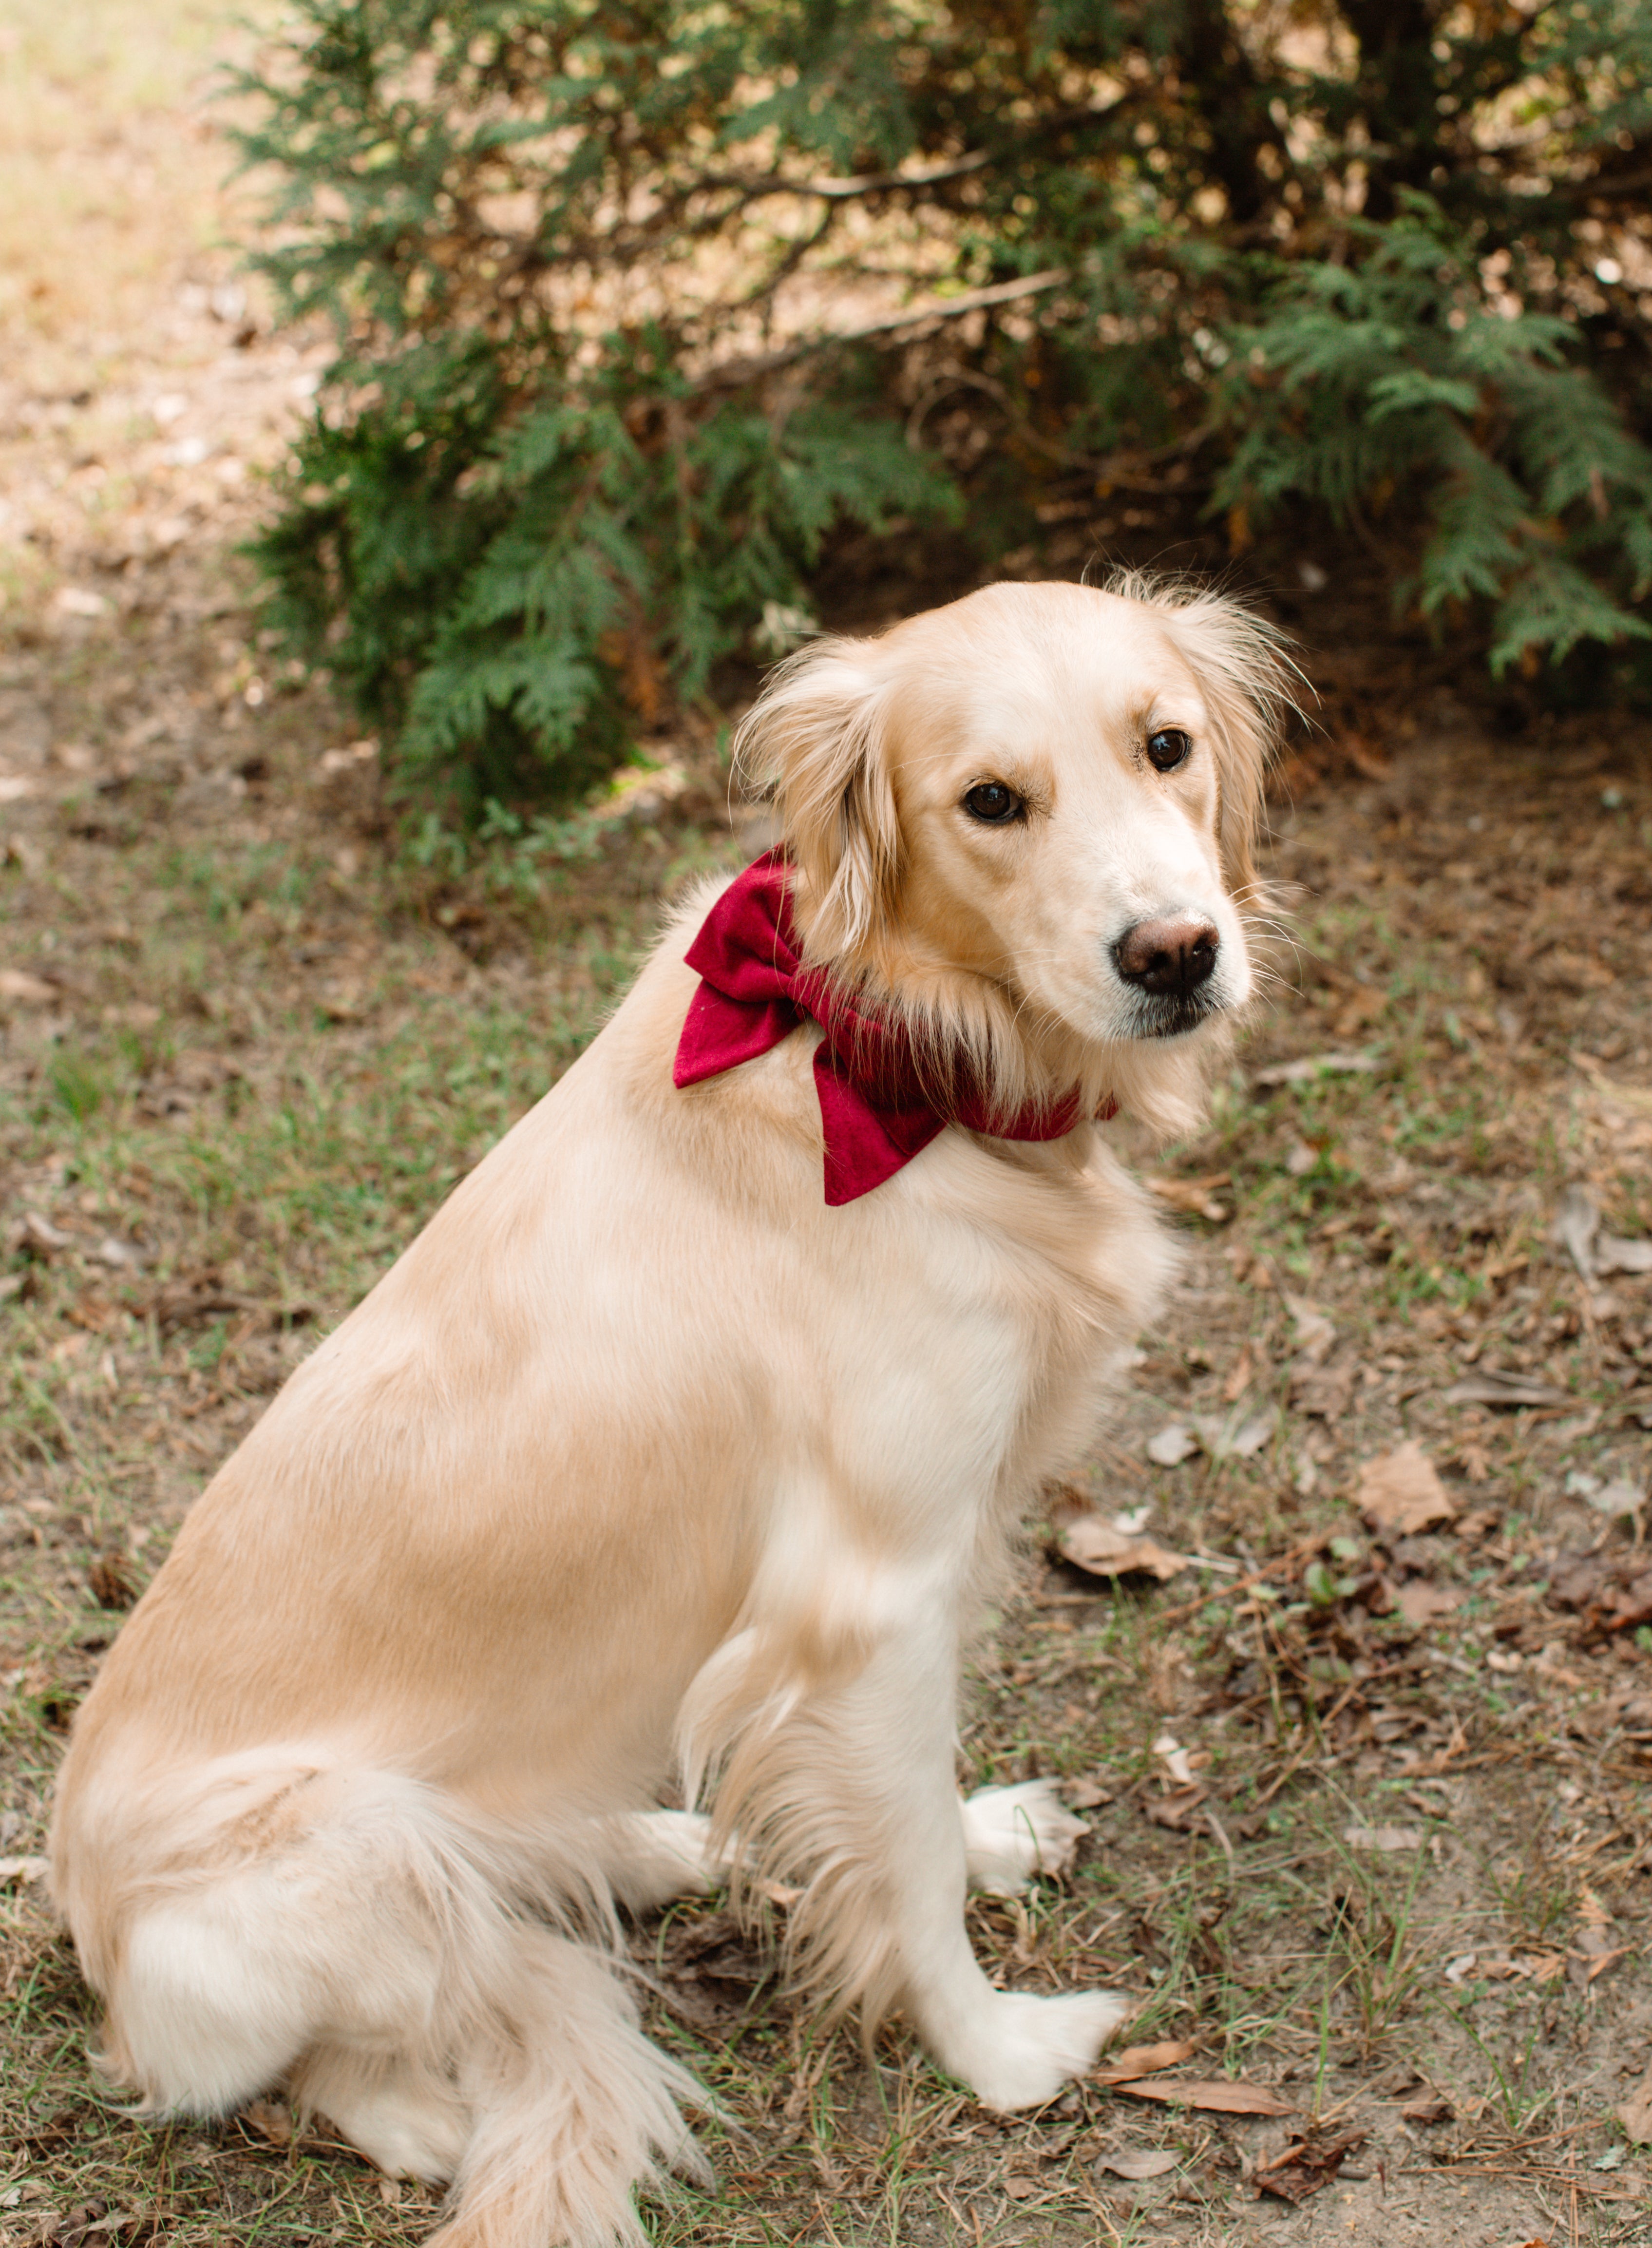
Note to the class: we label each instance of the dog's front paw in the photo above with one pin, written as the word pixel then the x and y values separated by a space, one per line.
pixel 658 1855
pixel 1035 2046
pixel 1009 1833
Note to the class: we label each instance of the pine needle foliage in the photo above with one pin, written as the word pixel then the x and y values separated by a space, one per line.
pixel 1392 374
pixel 638 301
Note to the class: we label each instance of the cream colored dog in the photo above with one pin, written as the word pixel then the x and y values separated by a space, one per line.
pixel 644 1461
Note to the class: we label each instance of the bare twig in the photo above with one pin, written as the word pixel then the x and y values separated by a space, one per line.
pixel 732 372
pixel 847 189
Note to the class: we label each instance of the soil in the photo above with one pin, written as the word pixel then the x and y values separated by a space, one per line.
pixel 1371 1802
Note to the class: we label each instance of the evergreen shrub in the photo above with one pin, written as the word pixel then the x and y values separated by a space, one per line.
pixel 637 300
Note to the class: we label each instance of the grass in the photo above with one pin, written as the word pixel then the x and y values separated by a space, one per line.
pixel 267 1055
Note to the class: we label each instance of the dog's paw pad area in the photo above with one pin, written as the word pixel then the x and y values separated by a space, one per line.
pixel 1010 1833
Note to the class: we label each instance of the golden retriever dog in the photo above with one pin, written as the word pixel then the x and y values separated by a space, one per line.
pixel 680 1447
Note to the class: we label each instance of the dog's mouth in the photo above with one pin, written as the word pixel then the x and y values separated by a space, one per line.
pixel 1172 1014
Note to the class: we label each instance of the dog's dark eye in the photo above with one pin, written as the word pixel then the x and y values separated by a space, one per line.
pixel 993 803
pixel 1168 748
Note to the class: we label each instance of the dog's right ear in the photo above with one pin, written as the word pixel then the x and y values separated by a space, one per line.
pixel 813 743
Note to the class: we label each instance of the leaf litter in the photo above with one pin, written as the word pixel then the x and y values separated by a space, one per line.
pixel 1401 1491
pixel 1387 1288
pixel 1138 2163
pixel 1310 2161
pixel 1212 2095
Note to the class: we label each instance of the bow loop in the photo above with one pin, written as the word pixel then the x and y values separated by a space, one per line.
pixel 876 1112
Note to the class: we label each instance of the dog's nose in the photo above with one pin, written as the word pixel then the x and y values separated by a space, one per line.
pixel 1170 957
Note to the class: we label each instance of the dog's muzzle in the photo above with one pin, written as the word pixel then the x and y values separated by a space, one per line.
pixel 1169 965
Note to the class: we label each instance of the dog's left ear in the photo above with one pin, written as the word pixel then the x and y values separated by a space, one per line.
pixel 813 743
pixel 1245 677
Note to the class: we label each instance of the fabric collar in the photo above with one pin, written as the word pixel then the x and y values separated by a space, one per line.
pixel 875 1111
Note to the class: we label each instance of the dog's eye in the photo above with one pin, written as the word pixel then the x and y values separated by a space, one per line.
pixel 1168 748
pixel 993 803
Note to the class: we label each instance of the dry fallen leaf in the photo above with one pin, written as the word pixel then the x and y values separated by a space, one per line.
pixel 1618 1499
pixel 1233 1439
pixel 1399 1491
pixel 1314 1331
pixel 1636 2113
pixel 1612 1592
pixel 1636 1098
pixel 117 1254
pixel 1323 1391
pixel 110 1581
pixel 24 1869
pixel 1216 2096
pixel 1383 1837
pixel 1141 2060
pixel 1615 1253
pixel 1177 1759
pixel 77 601
pixel 1367 761
pixel 1577 1220
pixel 1486 1386
pixel 1307 2164
pixel 1420 1602
pixel 270 2120
pixel 1435 2108
pixel 341 1003
pixel 1361 1009
pixel 31 990
pixel 1540 1966
pixel 1137 2163
pixel 1085 1795
pixel 1576 1229
pixel 1176 1808
pixel 1172 1445
pixel 1196 1196
pixel 1312 1065
pixel 1096 1546
pixel 39 1232
pixel 1587 1967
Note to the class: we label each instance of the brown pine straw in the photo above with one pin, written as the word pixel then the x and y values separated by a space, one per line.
pixel 1549 2174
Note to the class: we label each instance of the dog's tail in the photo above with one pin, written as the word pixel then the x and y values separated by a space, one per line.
pixel 442 1987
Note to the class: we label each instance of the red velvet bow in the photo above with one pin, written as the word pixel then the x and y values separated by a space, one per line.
pixel 875 1111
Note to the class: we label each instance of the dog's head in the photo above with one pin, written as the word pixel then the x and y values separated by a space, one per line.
pixel 1025 821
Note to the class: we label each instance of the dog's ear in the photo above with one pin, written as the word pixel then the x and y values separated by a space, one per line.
pixel 1247 679
pixel 813 743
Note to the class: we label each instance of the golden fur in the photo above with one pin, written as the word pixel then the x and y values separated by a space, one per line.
pixel 641 1461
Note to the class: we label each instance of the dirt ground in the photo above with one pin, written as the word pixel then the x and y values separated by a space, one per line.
pixel 1367 1762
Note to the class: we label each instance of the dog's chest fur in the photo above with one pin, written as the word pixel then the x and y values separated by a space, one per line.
pixel 938 1348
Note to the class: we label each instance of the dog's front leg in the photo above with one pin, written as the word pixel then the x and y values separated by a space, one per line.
pixel 855 1791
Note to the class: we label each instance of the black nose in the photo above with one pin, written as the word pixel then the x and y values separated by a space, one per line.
pixel 1169 957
